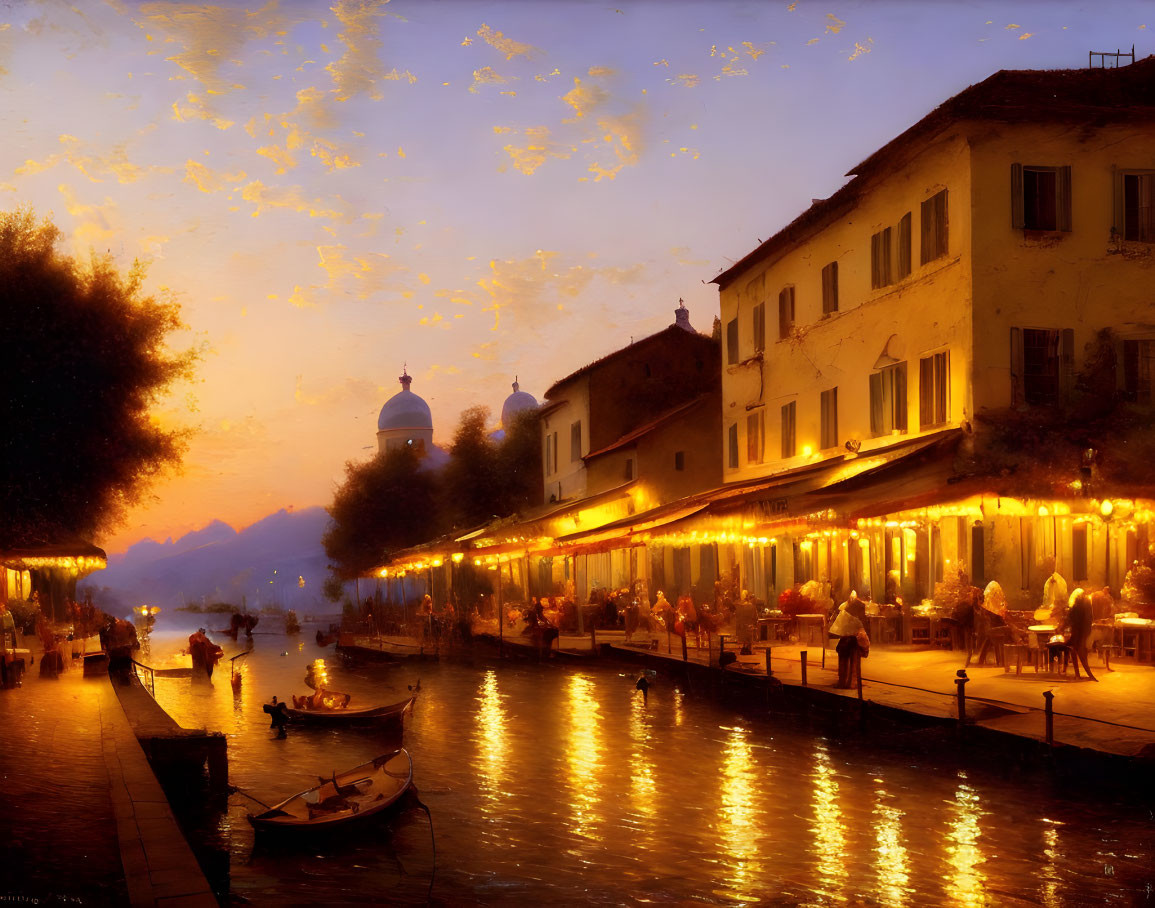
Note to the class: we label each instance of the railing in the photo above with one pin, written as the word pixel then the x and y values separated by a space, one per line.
pixel 151 687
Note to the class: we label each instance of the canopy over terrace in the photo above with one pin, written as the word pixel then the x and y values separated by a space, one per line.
pixel 51 570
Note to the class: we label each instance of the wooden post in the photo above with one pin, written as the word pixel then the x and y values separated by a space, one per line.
pixel 858 671
pixel 768 672
pixel 960 682
pixel 500 618
pixel 1048 696
pixel 803 654
pixel 685 653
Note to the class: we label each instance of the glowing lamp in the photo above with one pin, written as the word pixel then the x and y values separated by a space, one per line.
pixel 1106 508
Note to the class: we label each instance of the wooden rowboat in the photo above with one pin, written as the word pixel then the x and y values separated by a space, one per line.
pixel 392 713
pixel 356 794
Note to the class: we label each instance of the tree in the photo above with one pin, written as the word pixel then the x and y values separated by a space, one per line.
pixel 86 360
pixel 384 505
pixel 519 464
pixel 470 480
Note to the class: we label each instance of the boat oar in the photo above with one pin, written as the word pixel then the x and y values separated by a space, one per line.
pixel 238 790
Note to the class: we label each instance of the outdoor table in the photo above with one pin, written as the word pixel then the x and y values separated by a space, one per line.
pixel 808 622
pixel 1143 630
pixel 773 628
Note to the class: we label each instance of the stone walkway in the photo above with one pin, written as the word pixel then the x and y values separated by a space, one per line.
pixel 1114 715
pixel 87 821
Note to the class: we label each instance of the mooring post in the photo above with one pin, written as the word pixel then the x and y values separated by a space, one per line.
pixel 1048 696
pixel 685 652
pixel 803 668
pixel 858 671
pixel 960 682
pixel 768 672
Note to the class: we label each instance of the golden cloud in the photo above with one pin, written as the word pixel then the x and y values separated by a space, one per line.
pixel 538 148
pixel 360 68
pixel 96 167
pixel 265 198
pixel 208 180
pixel 505 45
pixel 486 76
pixel 364 275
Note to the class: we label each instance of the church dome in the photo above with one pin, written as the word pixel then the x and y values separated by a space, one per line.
pixel 515 403
pixel 405 410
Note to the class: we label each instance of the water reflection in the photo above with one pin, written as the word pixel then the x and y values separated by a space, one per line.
pixel 1050 888
pixel 891 863
pixel 963 852
pixel 739 817
pixel 583 753
pixel 491 745
pixel 829 841
pixel 561 786
pixel 643 788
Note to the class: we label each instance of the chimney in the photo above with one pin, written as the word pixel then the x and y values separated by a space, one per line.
pixel 682 317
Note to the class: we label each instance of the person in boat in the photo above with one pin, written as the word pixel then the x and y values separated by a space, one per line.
pixel 278 715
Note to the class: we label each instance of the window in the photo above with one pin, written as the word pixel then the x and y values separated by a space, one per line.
pixel 575 442
pixel 830 288
pixel 903 252
pixel 754 424
pixel 890 254
pixel 732 446
pixel 1042 365
pixel 788 446
pixel 830 418
pixel 732 341
pixel 1138 356
pixel 629 468
pixel 1135 206
pixel 934 227
pixel 1040 197
pixel 785 312
pixel 759 327
pixel 888 400
pixel 934 390
pixel 880 275
pixel 679 460
pixel 550 453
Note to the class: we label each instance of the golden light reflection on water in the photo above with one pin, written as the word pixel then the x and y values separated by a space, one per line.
pixel 829 839
pixel 643 787
pixel 679 708
pixel 965 886
pixel 584 755
pixel 737 819
pixel 492 744
pixel 1050 888
pixel 891 864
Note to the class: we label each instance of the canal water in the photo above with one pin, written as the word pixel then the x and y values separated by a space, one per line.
pixel 557 784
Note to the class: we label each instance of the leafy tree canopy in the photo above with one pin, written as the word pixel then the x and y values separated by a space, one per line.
pixel 384 505
pixel 86 359
pixel 471 493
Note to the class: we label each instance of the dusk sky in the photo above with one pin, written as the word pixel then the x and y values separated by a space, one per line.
pixel 472 189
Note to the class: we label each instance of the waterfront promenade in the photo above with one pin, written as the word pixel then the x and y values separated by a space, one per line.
pixel 88 823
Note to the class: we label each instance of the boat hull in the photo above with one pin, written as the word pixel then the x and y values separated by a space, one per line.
pixel 350 797
pixel 376 714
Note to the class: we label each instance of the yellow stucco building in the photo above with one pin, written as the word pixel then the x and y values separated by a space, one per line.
pixel 986 272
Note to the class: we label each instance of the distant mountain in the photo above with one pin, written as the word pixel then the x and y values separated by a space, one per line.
pixel 261 565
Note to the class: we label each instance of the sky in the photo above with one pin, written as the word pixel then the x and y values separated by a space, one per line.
pixel 472 191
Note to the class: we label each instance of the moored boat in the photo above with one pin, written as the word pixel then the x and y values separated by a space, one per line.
pixel 344 716
pixel 356 794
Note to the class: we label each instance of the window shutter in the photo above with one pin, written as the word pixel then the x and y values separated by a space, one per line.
pixel 1063 198
pixel 875 257
pixel 784 318
pixel 1018 385
pixel 732 341
pixel 1067 365
pixel 830 288
pixel 900 398
pixel 1018 217
pixel 759 327
pixel 942 244
pixel 733 440
pixel 926 231
pixel 876 414
pixel 1117 207
pixel 885 273
pixel 904 246
pixel 790 294
pixel 926 392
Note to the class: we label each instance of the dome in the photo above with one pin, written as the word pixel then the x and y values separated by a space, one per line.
pixel 515 403
pixel 405 410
